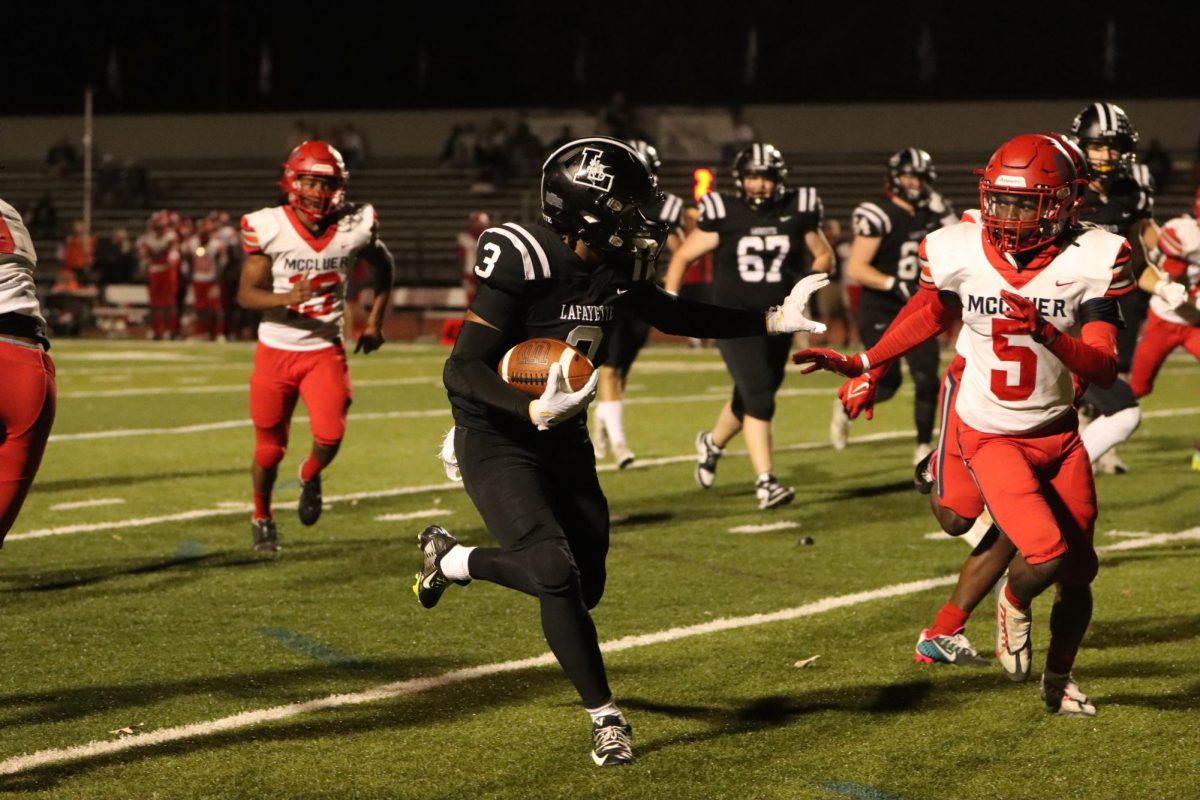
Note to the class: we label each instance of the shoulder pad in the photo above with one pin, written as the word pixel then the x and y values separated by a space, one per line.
pixel 15 241
pixel 869 219
pixel 509 256
pixel 809 202
pixel 672 210
pixel 712 211
pixel 259 228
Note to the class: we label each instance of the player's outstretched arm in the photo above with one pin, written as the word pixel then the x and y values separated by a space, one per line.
pixel 680 317
pixel 383 268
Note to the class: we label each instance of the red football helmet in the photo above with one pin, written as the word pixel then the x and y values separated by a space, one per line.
pixel 315 159
pixel 1029 192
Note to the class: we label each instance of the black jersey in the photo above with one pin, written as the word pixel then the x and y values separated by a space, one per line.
pixel 532 284
pixel 900 234
pixel 1129 199
pixel 669 211
pixel 762 253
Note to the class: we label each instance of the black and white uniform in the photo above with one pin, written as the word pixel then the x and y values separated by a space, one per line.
pixel 900 234
pixel 1129 199
pixel 630 334
pixel 537 491
pixel 760 257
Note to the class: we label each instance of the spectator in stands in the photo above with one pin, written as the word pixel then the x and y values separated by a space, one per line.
pixel 76 255
pixel 301 132
pixel 491 155
pixel 741 134
pixel 133 185
pixel 352 145
pixel 525 151
pixel 832 306
pixel 459 149
pixel 61 158
pixel 43 218
pixel 116 259
pixel 1158 161
pixel 564 136
pixel 617 119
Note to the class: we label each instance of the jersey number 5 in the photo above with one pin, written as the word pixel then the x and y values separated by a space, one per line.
pixel 1024 357
pixel 752 252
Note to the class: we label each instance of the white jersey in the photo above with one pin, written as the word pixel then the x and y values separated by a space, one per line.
pixel 1179 239
pixel 326 260
pixel 1012 384
pixel 18 293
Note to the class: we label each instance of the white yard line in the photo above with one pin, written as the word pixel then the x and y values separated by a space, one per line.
pixel 95 749
pixel 765 528
pixel 100 501
pixel 428 512
pixel 243 388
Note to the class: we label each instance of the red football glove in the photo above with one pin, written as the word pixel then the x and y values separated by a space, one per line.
pixel 1021 310
pixel 858 396
pixel 829 360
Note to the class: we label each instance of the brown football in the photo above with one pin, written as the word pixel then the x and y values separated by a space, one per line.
pixel 526 365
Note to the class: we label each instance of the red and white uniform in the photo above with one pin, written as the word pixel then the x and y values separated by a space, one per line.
pixel 1017 431
pixel 28 402
pixel 158 250
pixel 1012 384
pixel 296 253
pixel 207 258
pixel 1165 328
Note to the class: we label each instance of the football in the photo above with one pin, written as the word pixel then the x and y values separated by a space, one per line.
pixel 526 365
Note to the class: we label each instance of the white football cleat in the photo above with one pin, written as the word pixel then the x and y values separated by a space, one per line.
pixel 1014 644
pixel 839 426
pixel 622 455
pixel 1063 696
pixel 1111 464
pixel 449 457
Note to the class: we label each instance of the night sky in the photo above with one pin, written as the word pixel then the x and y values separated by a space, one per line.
pixel 207 57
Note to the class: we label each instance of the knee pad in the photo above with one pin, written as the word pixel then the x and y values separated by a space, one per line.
pixel 593 588
pixel 761 406
pixel 552 568
pixel 270 444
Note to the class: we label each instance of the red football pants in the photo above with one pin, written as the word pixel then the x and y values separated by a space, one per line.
pixel 27 407
pixel 320 377
pixel 1040 491
pixel 1159 338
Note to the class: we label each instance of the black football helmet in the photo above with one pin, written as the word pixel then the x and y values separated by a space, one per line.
pixel 1106 124
pixel 648 152
pixel 761 159
pixel 594 190
pixel 911 161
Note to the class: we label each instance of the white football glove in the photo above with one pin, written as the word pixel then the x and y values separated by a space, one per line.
pixel 789 317
pixel 1173 294
pixel 449 457
pixel 558 402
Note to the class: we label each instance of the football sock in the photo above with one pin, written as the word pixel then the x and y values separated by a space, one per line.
pixel 1058 662
pixel 974 536
pixel 262 505
pixel 1017 603
pixel 309 468
pixel 454 563
pixel 608 413
pixel 609 709
pixel 1106 432
pixel 950 620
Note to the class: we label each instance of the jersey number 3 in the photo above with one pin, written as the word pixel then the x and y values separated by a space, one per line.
pixel 1024 357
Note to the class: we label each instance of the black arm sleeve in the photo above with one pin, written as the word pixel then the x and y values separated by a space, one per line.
pixel 1101 309
pixel 681 317
pixel 469 372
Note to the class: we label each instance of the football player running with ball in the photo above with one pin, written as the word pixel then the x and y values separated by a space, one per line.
pixel 529 466
pixel 297 259
pixel 1020 279
pixel 761 236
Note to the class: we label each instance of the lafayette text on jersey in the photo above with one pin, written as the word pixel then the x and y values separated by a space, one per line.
pixel 296 253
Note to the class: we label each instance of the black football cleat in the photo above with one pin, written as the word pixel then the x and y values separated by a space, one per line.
pixel 612 742
pixel 923 474
pixel 310 501
pixel 435 542
pixel 266 535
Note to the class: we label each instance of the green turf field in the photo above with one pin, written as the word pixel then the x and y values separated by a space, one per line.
pixel 148 652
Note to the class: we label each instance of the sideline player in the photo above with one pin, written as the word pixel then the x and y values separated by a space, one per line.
pixel 529 467
pixel 760 235
pixel 608 433
pixel 1017 429
pixel 158 254
pixel 29 399
pixel 883 259
pixel 297 259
